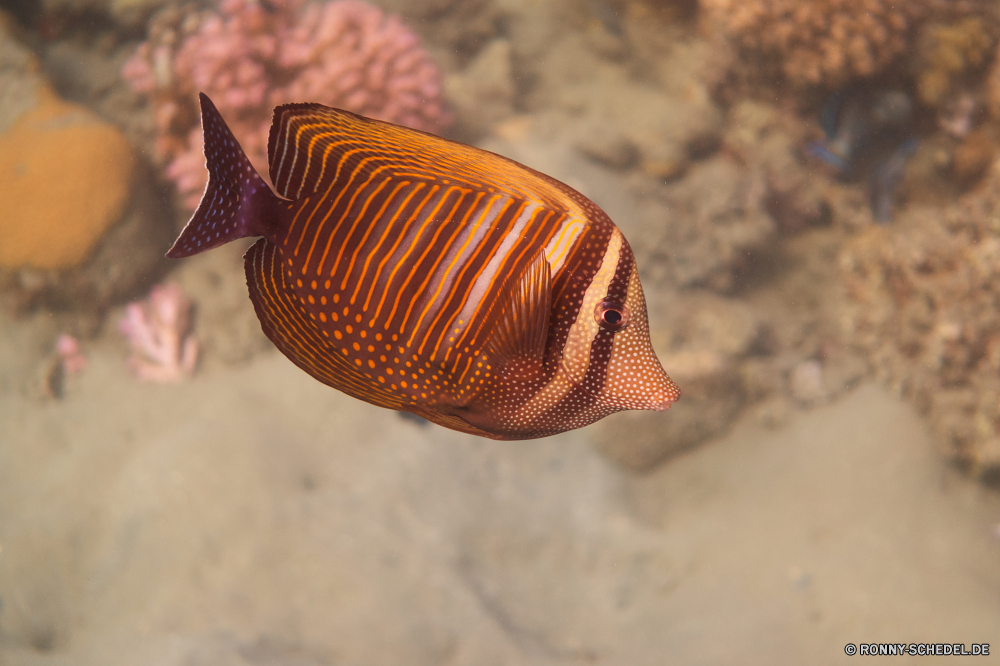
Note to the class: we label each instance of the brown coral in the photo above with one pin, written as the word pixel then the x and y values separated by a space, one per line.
pixel 824 42
pixel 927 293
pixel 946 53
pixel 993 87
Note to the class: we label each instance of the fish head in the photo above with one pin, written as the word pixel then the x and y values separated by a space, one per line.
pixel 634 378
pixel 608 353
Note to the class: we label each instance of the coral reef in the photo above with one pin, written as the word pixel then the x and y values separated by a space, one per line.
pixel 717 223
pixel 925 295
pixel 992 91
pixel 767 141
pixel 973 157
pixel 158 330
pixel 946 53
pixel 957 116
pixel 65 178
pixel 830 42
pixel 257 54
pixel 823 42
pixel 80 224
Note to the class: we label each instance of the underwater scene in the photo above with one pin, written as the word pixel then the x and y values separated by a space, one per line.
pixel 499 332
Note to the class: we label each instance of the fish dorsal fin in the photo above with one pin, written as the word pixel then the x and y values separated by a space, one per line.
pixel 312 147
pixel 522 329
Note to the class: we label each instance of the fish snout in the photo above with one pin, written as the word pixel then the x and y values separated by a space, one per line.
pixel 665 400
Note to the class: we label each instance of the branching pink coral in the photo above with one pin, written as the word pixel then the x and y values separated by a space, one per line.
pixel 257 54
pixel 158 332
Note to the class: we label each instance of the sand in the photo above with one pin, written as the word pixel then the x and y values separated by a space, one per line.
pixel 254 516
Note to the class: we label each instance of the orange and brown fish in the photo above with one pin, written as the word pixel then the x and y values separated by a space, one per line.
pixel 431 277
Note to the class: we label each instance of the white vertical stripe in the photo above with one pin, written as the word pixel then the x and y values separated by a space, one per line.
pixel 576 353
pixel 486 277
pixel 558 248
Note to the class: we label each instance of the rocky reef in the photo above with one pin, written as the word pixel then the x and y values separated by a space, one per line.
pixel 831 43
pixel 925 295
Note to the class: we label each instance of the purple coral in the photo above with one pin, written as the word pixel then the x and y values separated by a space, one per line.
pixel 158 332
pixel 255 55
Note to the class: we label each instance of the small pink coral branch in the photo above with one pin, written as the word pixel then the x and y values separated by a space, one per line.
pixel 68 350
pixel 158 332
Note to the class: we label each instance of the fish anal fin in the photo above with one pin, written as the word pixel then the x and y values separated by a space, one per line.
pixel 517 342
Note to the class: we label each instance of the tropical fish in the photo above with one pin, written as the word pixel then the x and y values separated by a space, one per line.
pixel 431 277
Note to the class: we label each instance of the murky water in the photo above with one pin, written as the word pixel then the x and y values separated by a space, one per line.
pixel 813 215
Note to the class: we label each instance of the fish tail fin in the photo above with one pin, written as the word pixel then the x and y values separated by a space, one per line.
pixel 237 203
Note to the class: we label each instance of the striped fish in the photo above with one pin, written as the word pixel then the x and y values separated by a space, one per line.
pixel 428 276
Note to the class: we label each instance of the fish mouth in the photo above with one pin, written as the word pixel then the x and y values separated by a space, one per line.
pixel 668 402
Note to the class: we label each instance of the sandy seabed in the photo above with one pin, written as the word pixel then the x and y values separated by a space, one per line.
pixel 254 516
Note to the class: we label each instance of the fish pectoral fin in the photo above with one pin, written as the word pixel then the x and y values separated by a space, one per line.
pixel 522 328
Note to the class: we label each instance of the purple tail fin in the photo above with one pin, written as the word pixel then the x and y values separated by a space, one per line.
pixel 237 202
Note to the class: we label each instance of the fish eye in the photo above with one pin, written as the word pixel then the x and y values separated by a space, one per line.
pixel 612 316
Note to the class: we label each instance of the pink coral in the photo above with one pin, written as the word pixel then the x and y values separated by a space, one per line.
pixel 68 351
pixel 158 331
pixel 255 55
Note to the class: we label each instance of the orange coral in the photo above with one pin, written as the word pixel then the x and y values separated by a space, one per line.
pixel 821 41
pixel 65 178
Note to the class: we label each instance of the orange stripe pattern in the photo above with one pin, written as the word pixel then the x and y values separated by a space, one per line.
pixel 424 275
